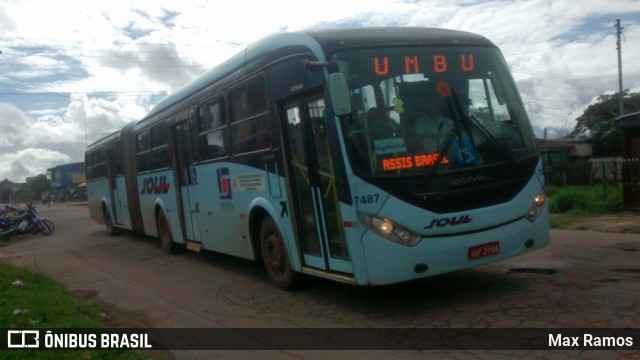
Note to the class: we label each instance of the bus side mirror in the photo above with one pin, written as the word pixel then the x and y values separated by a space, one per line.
pixel 339 92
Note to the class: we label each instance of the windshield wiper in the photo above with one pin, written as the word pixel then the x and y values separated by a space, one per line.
pixel 473 123
pixel 484 133
pixel 469 123
pixel 448 142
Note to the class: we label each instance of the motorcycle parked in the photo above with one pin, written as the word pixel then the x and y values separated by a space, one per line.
pixel 27 222
pixel 10 211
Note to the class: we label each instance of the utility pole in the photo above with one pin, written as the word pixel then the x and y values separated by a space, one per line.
pixel 619 44
pixel 547 167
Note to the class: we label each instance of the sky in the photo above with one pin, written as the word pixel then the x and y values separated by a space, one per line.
pixel 69 70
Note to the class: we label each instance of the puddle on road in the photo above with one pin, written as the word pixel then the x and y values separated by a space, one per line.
pixel 537 267
pixel 541 271
pixel 628 271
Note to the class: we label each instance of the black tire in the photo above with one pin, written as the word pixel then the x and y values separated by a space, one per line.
pixel 36 228
pixel 111 230
pixel 164 234
pixel 275 257
pixel 46 227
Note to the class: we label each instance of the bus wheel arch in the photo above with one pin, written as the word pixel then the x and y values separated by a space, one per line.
pixel 275 256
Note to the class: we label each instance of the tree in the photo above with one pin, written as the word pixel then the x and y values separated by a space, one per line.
pixel 598 123
pixel 38 186
pixel 5 191
pixel 24 194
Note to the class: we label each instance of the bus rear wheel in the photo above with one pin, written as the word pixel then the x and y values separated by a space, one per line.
pixel 164 234
pixel 111 230
pixel 275 258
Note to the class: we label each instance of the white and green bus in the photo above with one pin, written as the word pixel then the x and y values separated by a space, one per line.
pixel 369 156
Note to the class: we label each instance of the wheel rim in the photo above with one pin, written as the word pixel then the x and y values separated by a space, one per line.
pixel 43 227
pixel 50 227
pixel 275 253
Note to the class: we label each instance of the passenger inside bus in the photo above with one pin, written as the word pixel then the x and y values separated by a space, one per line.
pixel 379 124
pixel 375 125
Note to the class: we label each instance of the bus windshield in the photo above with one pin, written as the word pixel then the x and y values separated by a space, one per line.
pixel 442 108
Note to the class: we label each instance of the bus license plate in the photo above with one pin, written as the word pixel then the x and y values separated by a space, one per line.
pixel 483 250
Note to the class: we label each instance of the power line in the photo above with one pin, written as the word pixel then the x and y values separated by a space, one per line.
pixel 237 43
pixel 619 48
pixel 132 93
pixel 35 86
pixel 560 78
pixel 550 100
pixel 82 53
pixel 133 65
pixel 111 54
pixel 559 45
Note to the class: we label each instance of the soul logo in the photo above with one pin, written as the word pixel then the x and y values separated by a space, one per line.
pixel 455 220
pixel 155 185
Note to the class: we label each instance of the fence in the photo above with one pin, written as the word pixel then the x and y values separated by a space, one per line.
pixel 606 170
pixel 631 183
pixel 609 172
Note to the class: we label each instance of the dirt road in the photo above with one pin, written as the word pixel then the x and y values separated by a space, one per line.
pixel 583 279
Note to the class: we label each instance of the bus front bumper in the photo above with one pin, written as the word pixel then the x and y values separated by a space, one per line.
pixel 389 262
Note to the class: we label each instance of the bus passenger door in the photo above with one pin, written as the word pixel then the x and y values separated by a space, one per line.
pixel 112 164
pixel 318 222
pixel 186 181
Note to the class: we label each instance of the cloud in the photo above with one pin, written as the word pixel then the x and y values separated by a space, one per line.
pixel 12 126
pixel 151 61
pixel 71 72
pixel 6 22
pixel 28 162
pixel 30 146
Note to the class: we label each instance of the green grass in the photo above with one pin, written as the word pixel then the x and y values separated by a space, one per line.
pixel 38 303
pixel 584 200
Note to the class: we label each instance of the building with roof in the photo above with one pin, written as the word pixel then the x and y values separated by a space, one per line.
pixel 65 181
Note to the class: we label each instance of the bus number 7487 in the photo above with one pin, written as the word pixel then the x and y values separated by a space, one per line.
pixel 367 199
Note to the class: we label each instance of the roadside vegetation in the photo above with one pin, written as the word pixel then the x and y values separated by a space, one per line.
pixel 571 204
pixel 32 301
pixel 585 200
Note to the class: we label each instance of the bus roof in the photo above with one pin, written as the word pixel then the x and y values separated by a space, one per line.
pixel 320 42
pixel 250 53
pixel 335 39
pixel 107 136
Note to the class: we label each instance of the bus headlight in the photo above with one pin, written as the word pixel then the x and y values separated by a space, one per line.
pixel 536 206
pixel 390 230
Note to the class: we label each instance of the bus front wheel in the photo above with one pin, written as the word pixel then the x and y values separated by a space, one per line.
pixel 275 258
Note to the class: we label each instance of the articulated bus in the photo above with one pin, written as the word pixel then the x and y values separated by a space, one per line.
pixel 369 156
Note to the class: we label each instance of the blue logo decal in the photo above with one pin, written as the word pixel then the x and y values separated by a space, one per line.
pixel 224 183
pixel 465 153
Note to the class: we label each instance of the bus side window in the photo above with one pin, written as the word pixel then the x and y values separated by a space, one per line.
pixel 212 130
pixel 144 151
pixel 96 164
pixel 160 152
pixel 250 127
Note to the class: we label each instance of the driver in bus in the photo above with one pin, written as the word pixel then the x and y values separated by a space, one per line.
pixel 430 125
